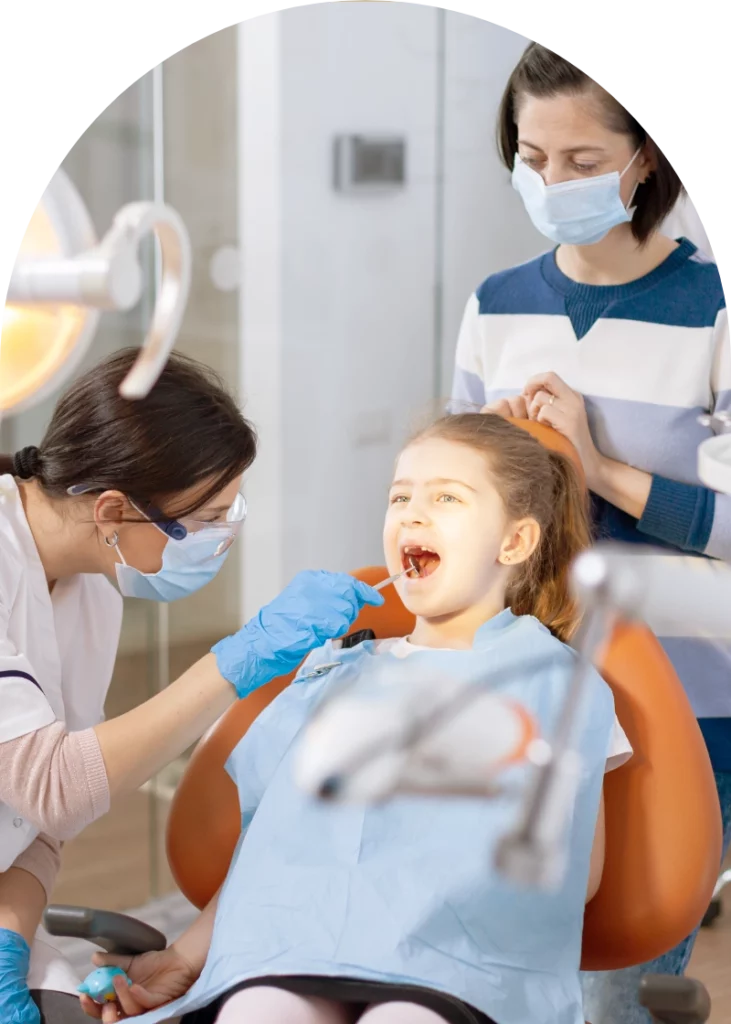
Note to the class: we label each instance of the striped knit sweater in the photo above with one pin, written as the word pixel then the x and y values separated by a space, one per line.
pixel 649 357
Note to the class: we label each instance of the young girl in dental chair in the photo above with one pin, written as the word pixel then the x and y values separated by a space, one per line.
pixel 394 913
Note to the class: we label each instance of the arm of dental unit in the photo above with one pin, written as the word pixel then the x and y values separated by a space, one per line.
pixel 615 581
pixel 611 581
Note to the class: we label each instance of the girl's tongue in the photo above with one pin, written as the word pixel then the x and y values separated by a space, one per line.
pixel 426 560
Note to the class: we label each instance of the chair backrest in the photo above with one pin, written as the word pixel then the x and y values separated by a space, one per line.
pixel 204 822
pixel 663 825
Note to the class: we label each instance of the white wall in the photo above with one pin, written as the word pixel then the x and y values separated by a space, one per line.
pixel 358 271
pixel 358 354
pixel 485 226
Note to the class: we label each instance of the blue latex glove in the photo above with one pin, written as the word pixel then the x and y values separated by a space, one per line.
pixel 315 607
pixel 16 1005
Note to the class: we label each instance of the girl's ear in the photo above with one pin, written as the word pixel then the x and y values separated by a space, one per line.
pixel 520 542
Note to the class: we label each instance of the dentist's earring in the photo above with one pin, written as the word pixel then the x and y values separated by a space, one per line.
pixel 111 542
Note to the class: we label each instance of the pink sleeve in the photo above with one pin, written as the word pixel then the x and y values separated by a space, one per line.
pixel 42 859
pixel 55 779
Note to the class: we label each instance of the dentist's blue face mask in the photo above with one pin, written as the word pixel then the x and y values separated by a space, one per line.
pixel 191 558
pixel 579 212
pixel 193 554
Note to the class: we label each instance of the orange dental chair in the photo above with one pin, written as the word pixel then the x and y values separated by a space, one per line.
pixel 663 822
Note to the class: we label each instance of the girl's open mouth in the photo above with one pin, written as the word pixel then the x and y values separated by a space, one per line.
pixel 425 559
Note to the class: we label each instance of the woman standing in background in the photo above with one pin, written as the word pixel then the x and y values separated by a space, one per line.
pixel 619 339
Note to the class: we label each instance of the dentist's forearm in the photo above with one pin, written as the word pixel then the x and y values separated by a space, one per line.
pixel 137 745
pixel 22 902
pixel 61 781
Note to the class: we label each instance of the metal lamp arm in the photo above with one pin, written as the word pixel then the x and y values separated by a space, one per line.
pixel 109 277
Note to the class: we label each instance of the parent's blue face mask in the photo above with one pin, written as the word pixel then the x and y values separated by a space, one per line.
pixel 578 212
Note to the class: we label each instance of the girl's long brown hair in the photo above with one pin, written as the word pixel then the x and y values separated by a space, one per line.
pixel 536 483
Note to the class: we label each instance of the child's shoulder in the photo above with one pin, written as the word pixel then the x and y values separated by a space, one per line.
pixel 529 634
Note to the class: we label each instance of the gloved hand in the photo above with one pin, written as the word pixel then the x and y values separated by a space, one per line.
pixel 315 607
pixel 16 1005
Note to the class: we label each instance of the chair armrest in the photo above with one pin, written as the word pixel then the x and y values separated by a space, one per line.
pixel 673 1000
pixel 114 932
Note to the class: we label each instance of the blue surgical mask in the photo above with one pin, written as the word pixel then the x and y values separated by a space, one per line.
pixel 580 212
pixel 187 565
pixel 193 554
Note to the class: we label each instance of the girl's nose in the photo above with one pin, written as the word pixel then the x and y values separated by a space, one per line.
pixel 414 517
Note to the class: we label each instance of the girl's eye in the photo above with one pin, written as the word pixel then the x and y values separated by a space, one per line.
pixel 447 498
pixel 398 498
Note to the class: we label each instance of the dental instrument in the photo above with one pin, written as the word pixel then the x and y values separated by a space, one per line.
pixel 397 576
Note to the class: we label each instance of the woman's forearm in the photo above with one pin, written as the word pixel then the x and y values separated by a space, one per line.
pixel 63 781
pixel 22 902
pixel 193 944
pixel 137 745
pixel 621 485
pixel 42 859
pixel 675 513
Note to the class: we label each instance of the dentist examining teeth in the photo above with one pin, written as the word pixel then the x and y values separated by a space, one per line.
pixel 145 494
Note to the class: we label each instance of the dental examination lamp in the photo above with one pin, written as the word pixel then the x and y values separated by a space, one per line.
pixel 64 278
pixel 444 738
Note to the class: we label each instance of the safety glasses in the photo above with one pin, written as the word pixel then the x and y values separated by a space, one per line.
pixel 179 529
pixel 226 528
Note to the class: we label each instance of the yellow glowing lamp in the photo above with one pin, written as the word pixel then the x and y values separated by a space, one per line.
pixel 63 278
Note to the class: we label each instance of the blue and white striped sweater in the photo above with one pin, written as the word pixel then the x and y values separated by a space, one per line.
pixel 650 357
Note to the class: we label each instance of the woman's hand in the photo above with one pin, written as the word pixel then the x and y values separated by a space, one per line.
pixel 157 978
pixel 16 1005
pixel 514 407
pixel 315 607
pixel 550 400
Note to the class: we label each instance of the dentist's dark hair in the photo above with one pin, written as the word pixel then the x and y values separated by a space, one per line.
pixel 542 74
pixel 187 431
pixel 538 483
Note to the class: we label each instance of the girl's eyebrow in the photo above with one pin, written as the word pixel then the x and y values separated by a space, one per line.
pixel 437 480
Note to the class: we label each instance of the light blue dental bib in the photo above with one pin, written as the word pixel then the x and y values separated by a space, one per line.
pixel 406 892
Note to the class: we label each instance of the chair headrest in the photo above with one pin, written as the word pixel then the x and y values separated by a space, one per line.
pixel 550 438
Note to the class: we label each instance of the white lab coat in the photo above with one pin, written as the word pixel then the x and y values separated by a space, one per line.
pixel 57 653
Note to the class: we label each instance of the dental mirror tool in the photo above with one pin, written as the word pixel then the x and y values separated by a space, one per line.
pixel 397 576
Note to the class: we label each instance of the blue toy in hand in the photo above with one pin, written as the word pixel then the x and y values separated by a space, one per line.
pixel 100 984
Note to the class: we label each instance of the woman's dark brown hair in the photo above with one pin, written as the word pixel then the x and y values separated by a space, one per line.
pixel 542 74
pixel 536 483
pixel 187 431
